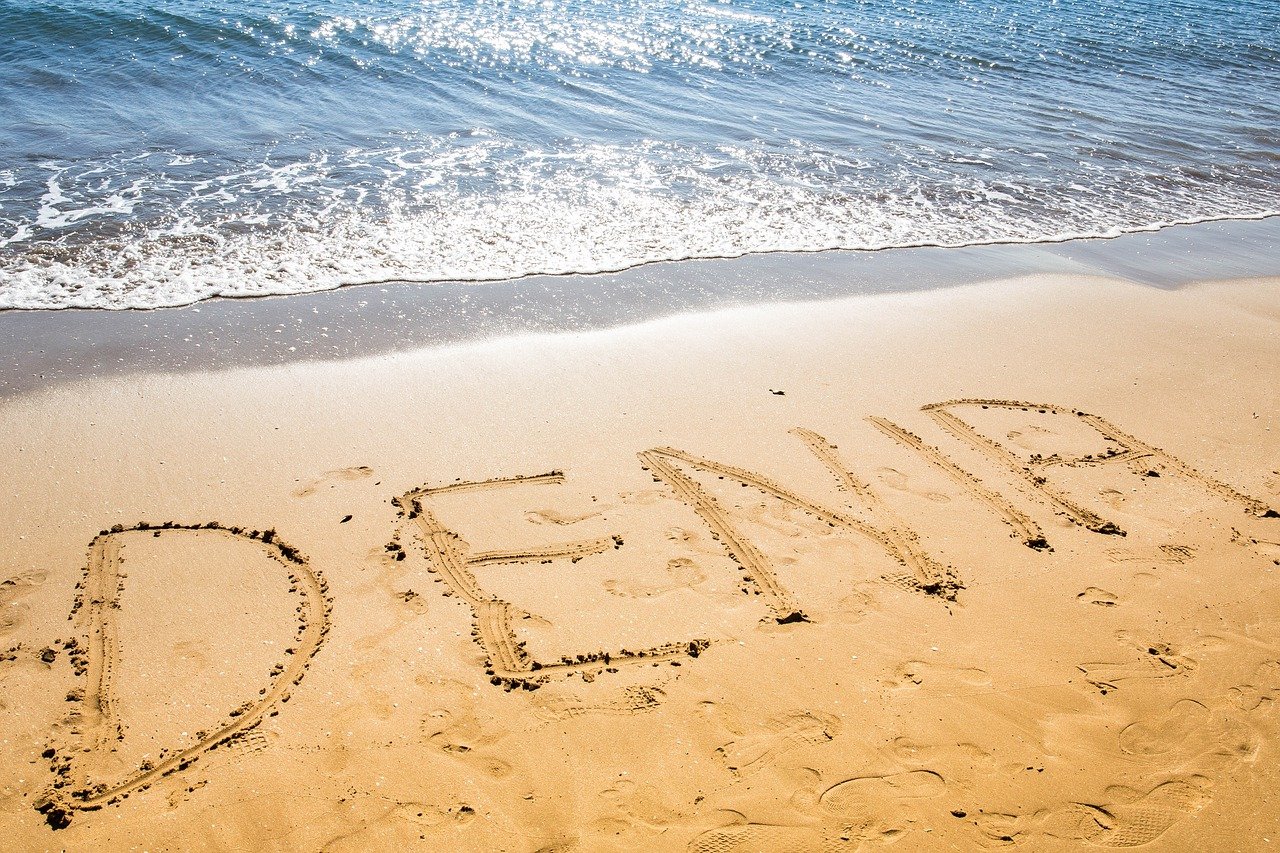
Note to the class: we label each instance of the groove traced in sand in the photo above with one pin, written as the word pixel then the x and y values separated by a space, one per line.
pixel 1030 470
pixel 758 568
pixel 1023 526
pixel 551 477
pixel 572 551
pixel 997 452
pixel 902 543
pixel 101 597
pixel 509 664
pixel 101 600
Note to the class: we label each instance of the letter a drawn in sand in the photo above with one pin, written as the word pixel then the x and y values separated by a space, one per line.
pixel 509 664
pixel 1126 449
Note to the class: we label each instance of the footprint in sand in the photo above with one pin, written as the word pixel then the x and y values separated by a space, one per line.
pixel 413 601
pixel 863 793
pixel 179 796
pixel 637 806
pixel 636 699
pixel 879 808
pixel 752 752
pixel 1000 829
pixel 1127 819
pixel 12 614
pixel 1262 692
pixel 1160 733
pixel 895 479
pixel 1272 483
pixel 358 472
pixel 784 520
pixel 860 602
pixel 1158 660
pixel 1124 502
pixel 694 541
pixel 915 673
pixel 644 497
pixel 1034 439
pixel 1098 596
pixel 408 825
pixel 1134 819
pixel 962 761
pixel 248 743
pixel 456 731
pixel 461 737
pixel 774 838
pixel 681 573
pixel 1189 731
pixel 1169 553
pixel 855 812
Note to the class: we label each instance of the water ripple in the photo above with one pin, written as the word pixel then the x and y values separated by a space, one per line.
pixel 156 156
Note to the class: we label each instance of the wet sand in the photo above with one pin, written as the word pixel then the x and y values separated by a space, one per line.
pixel 988 565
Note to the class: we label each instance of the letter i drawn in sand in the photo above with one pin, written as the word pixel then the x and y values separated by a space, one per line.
pixel 1024 527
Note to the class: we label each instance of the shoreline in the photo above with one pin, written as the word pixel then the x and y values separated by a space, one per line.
pixel 1224 220
pixel 52 347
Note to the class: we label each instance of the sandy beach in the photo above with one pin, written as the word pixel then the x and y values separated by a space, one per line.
pixel 990 565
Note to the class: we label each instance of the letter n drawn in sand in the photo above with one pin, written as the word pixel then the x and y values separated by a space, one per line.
pixel 509 663
pixel 924 574
pixel 1121 448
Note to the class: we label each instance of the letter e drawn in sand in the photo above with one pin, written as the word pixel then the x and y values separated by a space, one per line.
pixel 508 663
pixel 1122 448
pixel 924 574
pixel 94 724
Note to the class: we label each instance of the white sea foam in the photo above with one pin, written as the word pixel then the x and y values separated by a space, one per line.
pixel 298 147
pixel 525 222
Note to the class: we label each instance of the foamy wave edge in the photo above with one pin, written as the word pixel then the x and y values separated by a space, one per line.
pixel 153 299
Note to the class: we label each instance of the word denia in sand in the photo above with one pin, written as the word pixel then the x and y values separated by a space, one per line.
pixel 508 663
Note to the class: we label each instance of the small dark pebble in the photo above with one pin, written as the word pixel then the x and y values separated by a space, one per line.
pixel 345 519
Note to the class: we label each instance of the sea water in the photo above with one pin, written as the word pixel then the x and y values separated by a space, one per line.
pixel 157 154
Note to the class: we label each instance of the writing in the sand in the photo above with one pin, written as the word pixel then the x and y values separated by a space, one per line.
pixel 1038 443
pixel 1032 453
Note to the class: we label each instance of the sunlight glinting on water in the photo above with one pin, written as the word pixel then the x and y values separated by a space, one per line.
pixel 162 155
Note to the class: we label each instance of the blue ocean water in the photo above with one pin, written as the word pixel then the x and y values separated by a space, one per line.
pixel 158 154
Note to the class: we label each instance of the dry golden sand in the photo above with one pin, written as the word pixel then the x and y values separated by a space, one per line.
pixel 726 582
